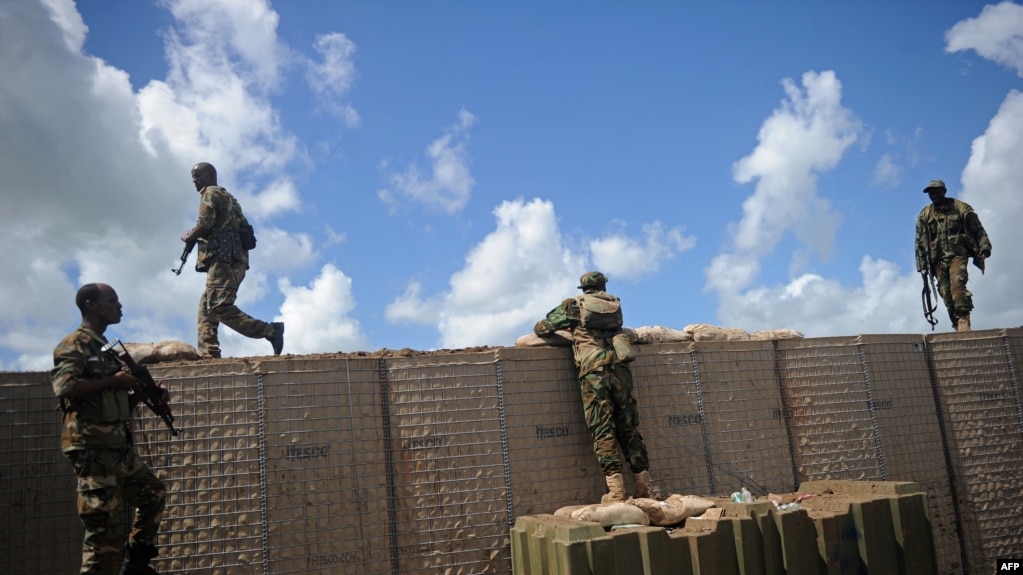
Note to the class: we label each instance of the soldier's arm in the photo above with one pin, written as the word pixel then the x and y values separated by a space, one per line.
pixel 976 230
pixel 565 316
pixel 922 256
pixel 204 223
pixel 66 376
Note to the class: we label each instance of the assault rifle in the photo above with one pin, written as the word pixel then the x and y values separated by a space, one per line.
pixel 184 257
pixel 925 296
pixel 151 393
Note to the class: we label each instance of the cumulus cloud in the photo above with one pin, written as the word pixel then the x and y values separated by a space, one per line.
pixel 332 78
pixel 622 256
pixel 449 183
pixel 521 270
pixel 996 34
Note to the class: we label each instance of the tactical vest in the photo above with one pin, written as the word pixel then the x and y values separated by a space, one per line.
pixel 947 234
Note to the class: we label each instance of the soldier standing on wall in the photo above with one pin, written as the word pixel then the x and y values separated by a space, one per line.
pixel 948 234
pixel 225 238
pixel 602 352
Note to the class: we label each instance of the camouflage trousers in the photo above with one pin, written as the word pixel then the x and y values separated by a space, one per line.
pixel 952 277
pixel 216 306
pixel 107 479
pixel 613 418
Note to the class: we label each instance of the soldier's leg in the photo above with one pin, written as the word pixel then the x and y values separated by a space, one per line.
pixel 599 412
pixel 962 299
pixel 146 493
pixel 100 507
pixel 626 416
pixel 225 282
pixel 945 290
pixel 209 343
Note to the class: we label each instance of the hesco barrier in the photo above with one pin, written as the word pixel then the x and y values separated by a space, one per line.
pixel 422 464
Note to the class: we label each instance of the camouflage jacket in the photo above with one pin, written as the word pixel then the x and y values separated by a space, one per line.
pixel 947 230
pixel 220 217
pixel 592 347
pixel 99 420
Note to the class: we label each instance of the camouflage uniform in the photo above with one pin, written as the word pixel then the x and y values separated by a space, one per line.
pixel 606 385
pixel 96 440
pixel 225 262
pixel 947 236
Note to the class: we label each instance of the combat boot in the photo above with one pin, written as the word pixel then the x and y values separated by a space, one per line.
pixel 136 559
pixel 615 488
pixel 963 322
pixel 277 337
pixel 645 488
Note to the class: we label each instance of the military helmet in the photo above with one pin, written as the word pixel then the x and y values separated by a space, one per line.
pixel 591 280
pixel 935 184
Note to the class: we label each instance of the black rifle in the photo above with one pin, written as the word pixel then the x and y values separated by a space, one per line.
pixel 925 296
pixel 184 257
pixel 151 393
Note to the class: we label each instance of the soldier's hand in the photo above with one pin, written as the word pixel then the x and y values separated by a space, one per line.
pixel 164 394
pixel 125 380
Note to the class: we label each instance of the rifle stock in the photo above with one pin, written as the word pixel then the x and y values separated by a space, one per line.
pixel 150 392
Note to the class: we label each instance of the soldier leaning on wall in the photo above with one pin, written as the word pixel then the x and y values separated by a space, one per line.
pixel 96 396
pixel 948 234
pixel 602 353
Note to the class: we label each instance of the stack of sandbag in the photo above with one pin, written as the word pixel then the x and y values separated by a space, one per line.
pixel 673 510
pixel 639 511
pixel 660 334
pixel 150 353
pixel 560 338
pixel 707 332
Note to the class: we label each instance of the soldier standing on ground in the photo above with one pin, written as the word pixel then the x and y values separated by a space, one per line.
pixel 948 234
pixel 95 396
pixel 605 380
pixel 224 256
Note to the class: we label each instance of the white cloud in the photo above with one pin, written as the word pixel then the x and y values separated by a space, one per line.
pixel 997 34
pixel 316 317
pixel 521 270
pixel 887 173
pixel 332 79
pixel 449 183
pixel 622 256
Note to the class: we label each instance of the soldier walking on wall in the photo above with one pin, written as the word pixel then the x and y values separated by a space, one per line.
pixel 605 380
pixel 97 395
pixel 948 234
pixel 224 237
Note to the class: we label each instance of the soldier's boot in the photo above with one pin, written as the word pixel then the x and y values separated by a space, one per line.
pixel 136 559
pixel 277 337
pixel 615 489
pixel 645 487
pixel 963 322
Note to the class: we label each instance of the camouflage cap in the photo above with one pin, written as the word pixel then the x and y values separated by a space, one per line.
pixel 592 280
pixel 935 184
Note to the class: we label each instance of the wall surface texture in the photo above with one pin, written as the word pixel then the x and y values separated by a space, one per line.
pixel 349 464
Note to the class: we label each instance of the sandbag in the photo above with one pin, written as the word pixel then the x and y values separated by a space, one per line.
pixel 150 353
pixel 606 514
pixel 673 510
pixel 772 334
pixel 659 334
pixel 707 332
pixel 560 338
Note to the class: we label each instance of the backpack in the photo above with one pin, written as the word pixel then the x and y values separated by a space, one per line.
pixel 601 313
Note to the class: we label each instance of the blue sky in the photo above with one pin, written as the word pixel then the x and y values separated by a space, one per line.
pixel 430 174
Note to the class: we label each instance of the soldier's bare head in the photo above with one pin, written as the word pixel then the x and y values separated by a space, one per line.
pixel 204 174
pixel 99 305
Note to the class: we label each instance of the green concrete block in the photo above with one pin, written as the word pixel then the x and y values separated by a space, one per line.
pixel 681 554
pixel 656 551
pixel 838 544
pixel 549 545
pixel 861 488
pixel 712 545
pixel 798 538
pixel 749 546
pixel 628 552
pixel 876 536
pixel 914 534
